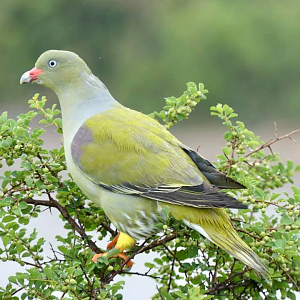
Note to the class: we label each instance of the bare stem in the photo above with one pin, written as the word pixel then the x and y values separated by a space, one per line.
pixel 276 139
pixel 53 203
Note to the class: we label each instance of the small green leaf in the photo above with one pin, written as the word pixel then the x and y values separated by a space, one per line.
pixel 280 243
pixel 7 219
pixel 286 220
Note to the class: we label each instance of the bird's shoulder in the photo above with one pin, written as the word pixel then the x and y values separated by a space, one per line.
pixel 122 145
pixel 128 127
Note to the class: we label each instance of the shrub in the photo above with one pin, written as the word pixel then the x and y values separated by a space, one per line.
pixel 39 180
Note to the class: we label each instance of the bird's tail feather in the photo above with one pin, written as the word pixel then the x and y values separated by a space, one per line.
pixel 229 241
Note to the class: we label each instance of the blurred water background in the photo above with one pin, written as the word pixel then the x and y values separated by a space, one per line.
pixel 245 52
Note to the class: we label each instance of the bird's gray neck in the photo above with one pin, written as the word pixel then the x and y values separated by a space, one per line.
pixel 82 101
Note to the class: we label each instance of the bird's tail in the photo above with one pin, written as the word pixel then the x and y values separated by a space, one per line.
pixel 215 225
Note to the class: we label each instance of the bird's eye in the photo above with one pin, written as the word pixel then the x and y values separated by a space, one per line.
pixel 52 63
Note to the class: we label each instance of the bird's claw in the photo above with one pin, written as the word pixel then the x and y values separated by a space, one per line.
pixel 121 255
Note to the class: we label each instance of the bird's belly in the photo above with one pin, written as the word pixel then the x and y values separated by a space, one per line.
pixel 133 215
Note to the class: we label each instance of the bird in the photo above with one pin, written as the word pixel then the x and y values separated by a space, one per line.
pixel 132 167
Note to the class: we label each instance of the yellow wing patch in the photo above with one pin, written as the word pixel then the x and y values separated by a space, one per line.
pixel 128 146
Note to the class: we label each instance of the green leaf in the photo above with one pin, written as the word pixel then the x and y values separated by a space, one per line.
pixel 58 122
pixel 227 135
pixel 23 205
pixel 43 121
pixel 227 151
pixel 191 87
pixel 113 252
pixel 48 272
pixel 280 243
pixel 241 125
pixel 6 201
pixel 286 220
pixel 290 165
pixel 149 265
pixel 291 295
pixel 7 219
pixel 5 182
pixel 192 251
pixel 248 133
pixel 5 240
pixel 275 196
pixel 92 266
pixel 17 211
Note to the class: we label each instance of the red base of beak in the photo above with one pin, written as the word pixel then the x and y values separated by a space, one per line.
pixel 34 73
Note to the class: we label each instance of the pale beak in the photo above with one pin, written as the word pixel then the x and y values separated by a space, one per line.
pixel 25 78
pixel 30 76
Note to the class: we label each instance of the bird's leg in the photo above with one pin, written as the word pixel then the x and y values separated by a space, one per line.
pixel 121 241
pixel 129 263
pixel 111 244
pixel 121 255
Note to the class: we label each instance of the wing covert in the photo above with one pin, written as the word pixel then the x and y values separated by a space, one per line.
pixel 129 153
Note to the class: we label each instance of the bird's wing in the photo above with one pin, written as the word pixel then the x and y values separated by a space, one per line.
pixel 214 176
pixel 127 152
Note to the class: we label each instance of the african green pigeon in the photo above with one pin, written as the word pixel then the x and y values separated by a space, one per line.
pixel 132 166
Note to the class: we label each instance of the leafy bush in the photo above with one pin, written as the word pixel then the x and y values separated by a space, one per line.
pixel 270 225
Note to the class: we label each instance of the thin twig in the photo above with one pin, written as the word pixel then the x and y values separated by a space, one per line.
pixel 231 157
pixel 109 229
pixel 290 278
pixel 140 274
pixel 18 290
pixel 276 139
pixel 214 279
pixel 175 257
pixel 53 251
pixel 160 294
pixel 248 233
pixel 226 283
pixel 55 204
pixel 172 270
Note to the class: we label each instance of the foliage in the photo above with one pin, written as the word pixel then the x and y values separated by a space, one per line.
pixel 187 265
pixel 178 109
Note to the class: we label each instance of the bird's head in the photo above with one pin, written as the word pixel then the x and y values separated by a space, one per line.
pixel 56 70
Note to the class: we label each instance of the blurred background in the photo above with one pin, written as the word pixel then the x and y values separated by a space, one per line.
pixel 247 53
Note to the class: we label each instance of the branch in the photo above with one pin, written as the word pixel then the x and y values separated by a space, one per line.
pixel 226 283
pixel 18 290
pixel 175 259
pixel 214 279
pixel 72 222
pixel 248 233
pixel 55 204
pixel 172 270
pixel 38 202
pixel 276 139
pixel 109 229
pixel 140 274
pixel 158 242
pixel 290 278
pixel 233 145
pixel 231 286
pixel 160 295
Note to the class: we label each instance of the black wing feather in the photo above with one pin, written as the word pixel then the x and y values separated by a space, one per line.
pixel 214 176
pixel 201 196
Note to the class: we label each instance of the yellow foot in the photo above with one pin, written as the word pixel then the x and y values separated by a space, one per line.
pixel 120 255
